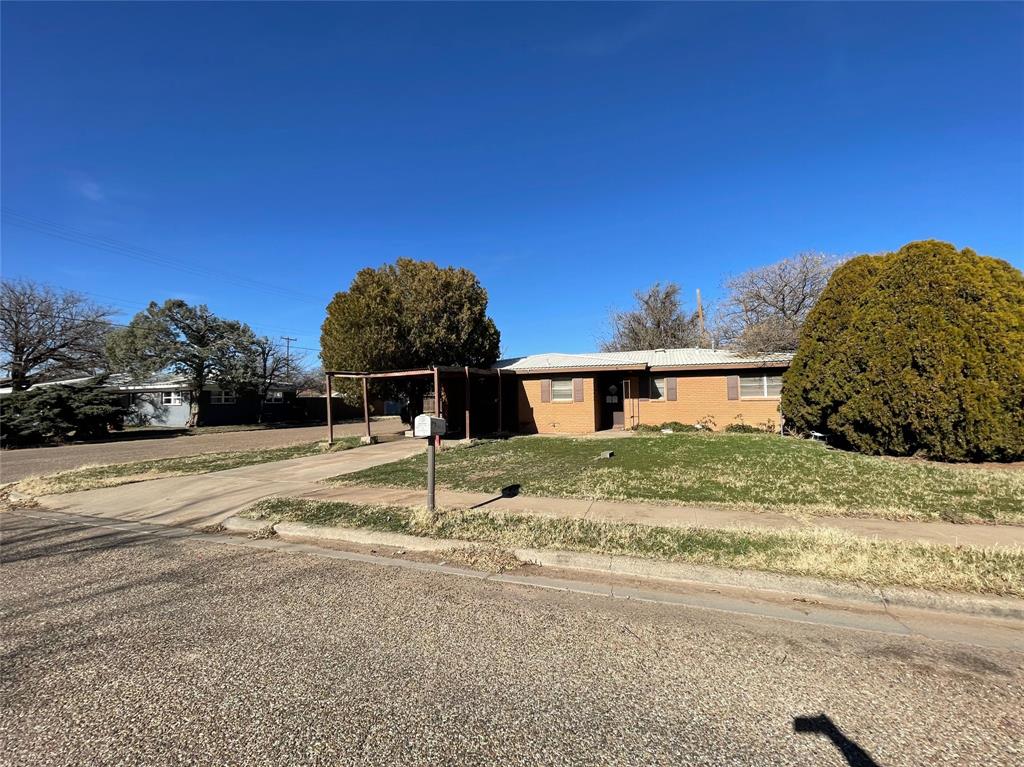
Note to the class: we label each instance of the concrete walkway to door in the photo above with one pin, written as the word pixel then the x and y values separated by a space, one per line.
pixel 207 499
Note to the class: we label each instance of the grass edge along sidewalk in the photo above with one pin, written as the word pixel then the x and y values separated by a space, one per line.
pixel 749 472
pixel 817 553
pixel 114 474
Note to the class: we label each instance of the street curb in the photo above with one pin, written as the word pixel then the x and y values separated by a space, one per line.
pixel 299 532
pixel 635 567
pixel 995 607
pixel 243 525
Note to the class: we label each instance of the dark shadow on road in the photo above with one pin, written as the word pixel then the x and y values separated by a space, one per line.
pixel 506 492
pixel 854 755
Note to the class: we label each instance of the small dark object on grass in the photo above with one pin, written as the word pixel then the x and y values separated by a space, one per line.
pixel 510 491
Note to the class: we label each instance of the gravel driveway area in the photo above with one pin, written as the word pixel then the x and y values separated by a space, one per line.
pixel 18 464
pixel 128 648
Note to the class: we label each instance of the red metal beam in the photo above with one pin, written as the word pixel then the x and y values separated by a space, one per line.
pixel 467 402
pixel 330 418
pixel 366 408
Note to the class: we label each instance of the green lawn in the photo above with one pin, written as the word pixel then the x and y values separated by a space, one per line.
pixel 754 471
pixel 111 475
pixel 814 553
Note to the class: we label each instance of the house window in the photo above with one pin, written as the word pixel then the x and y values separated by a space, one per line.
pixel 658 388
pixel 170 398
pixel 275 397
pixel 222 398
pixel 753 387
pixel 561 390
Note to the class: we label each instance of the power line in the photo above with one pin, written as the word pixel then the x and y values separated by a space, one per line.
pixel 127 250
pixel 111 323
pixel 133 305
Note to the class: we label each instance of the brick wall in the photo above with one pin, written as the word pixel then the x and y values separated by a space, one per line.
pixel 700 394
pixel 556 417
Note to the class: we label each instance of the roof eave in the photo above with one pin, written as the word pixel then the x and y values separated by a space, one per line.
pixel 723 366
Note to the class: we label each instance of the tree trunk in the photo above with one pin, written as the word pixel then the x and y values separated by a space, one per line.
pixel 195 415
pixel 19 382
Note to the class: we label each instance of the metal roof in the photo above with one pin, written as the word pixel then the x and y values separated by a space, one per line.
pixel 648 358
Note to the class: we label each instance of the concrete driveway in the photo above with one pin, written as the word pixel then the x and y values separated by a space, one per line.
pixel 207 499
pixel 18 464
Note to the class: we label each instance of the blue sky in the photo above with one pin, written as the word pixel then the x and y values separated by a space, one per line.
pixel 568 154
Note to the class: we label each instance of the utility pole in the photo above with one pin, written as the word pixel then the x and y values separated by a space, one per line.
pixel 288 355
pixel 700 316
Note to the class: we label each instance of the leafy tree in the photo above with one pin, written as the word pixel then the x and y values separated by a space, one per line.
pixel 187 340
pixel 765 308
pixel 917 351
pixel 409 314
pixel 657 322
pixel 46 334
pixel 55 413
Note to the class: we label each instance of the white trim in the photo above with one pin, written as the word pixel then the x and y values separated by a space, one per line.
pixel 171 398
pixel 569 397
pixel 764 387
pixel 223 397
pixel 662 390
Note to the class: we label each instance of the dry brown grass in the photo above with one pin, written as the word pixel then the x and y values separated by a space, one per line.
pixel 815 552
pixel 488 558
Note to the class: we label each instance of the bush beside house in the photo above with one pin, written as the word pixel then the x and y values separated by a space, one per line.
pixel 920 351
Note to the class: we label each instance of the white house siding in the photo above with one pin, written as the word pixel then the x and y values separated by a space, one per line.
pixel 147 410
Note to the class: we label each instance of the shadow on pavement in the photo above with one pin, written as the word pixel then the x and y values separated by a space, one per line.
pixel 854 755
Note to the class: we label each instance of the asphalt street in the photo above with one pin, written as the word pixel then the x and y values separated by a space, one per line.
pixel 126 647
pixel 26 462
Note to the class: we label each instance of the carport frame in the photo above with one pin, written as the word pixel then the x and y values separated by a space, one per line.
pixel 436 371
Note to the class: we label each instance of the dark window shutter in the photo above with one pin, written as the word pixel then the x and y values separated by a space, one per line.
pixel 732 384
pixel 545 390
pixel 645 387
pixel 577 390
pixel 670 385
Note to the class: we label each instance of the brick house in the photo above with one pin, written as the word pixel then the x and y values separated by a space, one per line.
pixel 583 393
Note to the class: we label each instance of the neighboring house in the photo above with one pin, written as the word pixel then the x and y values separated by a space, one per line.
pixel 582 393
pixel 165 401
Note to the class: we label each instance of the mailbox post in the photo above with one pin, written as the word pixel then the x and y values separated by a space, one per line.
pixel 430 427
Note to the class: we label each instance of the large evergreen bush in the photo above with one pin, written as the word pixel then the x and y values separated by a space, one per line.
pixel 917 351
pixel 59 412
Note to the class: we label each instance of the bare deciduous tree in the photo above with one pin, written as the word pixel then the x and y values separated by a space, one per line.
pixel 658 322
pixel 47 334
pixel 268 365
pixel 765 308
pixel 311 379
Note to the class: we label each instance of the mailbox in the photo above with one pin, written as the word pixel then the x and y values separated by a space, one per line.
pixel 428 426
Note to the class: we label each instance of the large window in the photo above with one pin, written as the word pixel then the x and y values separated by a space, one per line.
pixel 170 398
pixel 561 390
pixel 658 388
pixel 752 387
pixel 222 398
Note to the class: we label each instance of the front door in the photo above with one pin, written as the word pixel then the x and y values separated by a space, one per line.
pixel 612 414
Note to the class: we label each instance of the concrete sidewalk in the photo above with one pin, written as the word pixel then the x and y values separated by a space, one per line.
pixel 207 499
pixel 682 516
